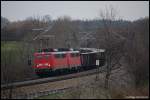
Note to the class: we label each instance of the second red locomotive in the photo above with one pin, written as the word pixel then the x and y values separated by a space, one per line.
pixel 44 62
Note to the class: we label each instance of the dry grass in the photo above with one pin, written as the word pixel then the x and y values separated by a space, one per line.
pixel 121 93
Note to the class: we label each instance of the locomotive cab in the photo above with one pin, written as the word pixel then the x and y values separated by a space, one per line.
pixel 42 63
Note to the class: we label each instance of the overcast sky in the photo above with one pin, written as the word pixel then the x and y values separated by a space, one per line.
pixel 20 10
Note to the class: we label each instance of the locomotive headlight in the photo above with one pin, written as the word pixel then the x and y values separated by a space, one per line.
pixel 46 64
pixel 39 65
pixel 49 65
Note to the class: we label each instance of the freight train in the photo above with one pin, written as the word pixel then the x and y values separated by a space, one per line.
pixel 47 61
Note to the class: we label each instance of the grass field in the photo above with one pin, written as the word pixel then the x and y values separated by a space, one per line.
pixel 9 46
pixel 14 48
pixel 14 58
pixel 9 49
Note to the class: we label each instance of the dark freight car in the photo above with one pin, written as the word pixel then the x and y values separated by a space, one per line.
pixel 88 59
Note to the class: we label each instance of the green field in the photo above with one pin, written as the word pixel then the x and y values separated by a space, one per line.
pixel 15 52
pixel 9 50
pixel 7 46
pixel 14 61
pixel 14 48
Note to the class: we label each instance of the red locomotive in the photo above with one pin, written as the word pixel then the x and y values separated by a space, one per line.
pixel 44 62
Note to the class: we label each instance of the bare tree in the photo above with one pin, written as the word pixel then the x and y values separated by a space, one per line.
pixel 137 49
pixel 46 19
pixel 112 41
pixel 65 32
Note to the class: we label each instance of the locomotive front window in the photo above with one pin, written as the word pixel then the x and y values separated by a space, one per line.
pixel 39 57
pixel 42 57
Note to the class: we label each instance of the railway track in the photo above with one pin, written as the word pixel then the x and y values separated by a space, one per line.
pixel 27 85
pixel 49 79
pixel 30 83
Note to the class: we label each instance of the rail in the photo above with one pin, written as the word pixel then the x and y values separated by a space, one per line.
pixel 39 93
